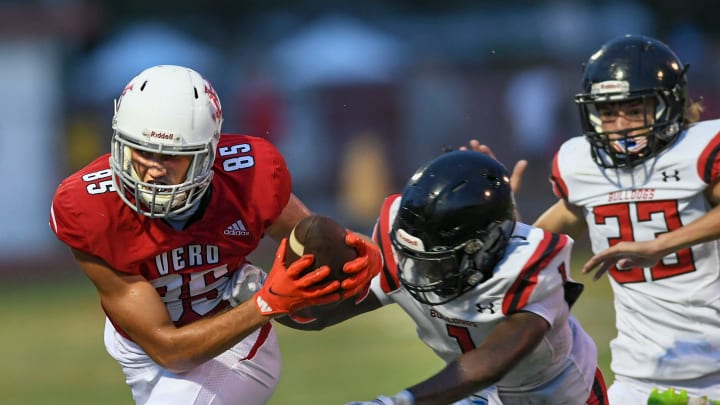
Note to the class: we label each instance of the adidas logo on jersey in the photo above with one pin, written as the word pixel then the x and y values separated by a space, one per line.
pixel 236 229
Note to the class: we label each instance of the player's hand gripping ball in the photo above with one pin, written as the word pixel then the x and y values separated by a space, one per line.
pixel 325 239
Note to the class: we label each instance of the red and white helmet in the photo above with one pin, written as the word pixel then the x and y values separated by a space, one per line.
pixel 168 110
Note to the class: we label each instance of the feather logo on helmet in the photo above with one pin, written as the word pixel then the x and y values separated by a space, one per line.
pixel 215 100
pixel 119 99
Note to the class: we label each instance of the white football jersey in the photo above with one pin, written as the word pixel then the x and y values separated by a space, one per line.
pixel 667 316
pixel 530 278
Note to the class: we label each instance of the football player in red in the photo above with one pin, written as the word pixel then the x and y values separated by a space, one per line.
pixel 644 181
pixel 489 295
pixel 163 226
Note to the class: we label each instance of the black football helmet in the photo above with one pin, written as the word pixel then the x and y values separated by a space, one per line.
pixel 626 69
pixel 455 217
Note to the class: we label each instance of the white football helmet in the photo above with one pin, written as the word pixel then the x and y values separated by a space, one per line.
pixel 168 110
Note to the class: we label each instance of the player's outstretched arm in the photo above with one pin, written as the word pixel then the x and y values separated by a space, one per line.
pixel 624 255
pixel 647 253
pixel 563 217
pixel 512 340
pixel 294 211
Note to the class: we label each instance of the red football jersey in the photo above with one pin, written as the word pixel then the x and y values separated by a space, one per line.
pixel 189 268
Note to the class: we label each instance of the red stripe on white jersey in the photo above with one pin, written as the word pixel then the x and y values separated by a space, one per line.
pixel 519 293
pixel 389 280
pixel 558 184
pixel 708 165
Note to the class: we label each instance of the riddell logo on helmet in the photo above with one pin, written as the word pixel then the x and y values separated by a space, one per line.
pixel 159 135
pixel 610 86
pixel 409 241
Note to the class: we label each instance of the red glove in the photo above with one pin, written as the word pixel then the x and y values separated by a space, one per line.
pixel 285 291
pixel 363 268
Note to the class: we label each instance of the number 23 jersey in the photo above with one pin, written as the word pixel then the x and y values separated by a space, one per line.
pixel 188 268
pixel 667 315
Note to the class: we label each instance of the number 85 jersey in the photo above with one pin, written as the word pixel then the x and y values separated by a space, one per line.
pixel 667 315
pixel 189 268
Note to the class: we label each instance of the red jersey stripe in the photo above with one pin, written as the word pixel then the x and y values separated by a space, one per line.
pixel 389 280
pixel 519 293
pixel 708 166
pixel 558 184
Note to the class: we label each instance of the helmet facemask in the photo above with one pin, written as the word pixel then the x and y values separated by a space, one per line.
pixel 161 200
pixel 627 69
pixel 441 275
pixel 631 146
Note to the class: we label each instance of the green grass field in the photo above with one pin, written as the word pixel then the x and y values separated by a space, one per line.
pixel 52 351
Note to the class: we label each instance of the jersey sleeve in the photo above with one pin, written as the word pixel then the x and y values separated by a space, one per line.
pixel 65 221
pixel 85 214
pixel 267 190
pixel 708 165
pixel 559 187
pixel 279 186
pixel 538 287
pixel 387 280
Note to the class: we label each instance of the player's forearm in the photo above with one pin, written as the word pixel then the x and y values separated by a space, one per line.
pixel 562 218
pixel 510 341
pixel 453 383
pixel 704 229
pixel 318 318
pixel 182 349
pixel 294 211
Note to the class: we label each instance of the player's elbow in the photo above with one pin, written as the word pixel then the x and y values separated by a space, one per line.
pixel 485 376
pixel 480 375
pixel 174 357
pixel 176 363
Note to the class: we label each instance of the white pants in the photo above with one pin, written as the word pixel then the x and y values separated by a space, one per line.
pixel 246 374
pixel 488 396
pixel 626 390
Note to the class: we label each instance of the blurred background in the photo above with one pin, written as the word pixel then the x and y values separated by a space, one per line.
pixel 355 94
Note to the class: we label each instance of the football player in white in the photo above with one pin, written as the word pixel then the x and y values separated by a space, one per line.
pixel 644 181
pixel 489 295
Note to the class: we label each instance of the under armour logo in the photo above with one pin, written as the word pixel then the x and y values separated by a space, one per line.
pixel 671 176
pixel 489 307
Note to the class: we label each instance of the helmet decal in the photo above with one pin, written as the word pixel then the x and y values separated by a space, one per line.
pixel 620 87
pixel 409 241
pixel 214 100
pixel 177 112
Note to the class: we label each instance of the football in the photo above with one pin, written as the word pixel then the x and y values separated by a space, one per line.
pixel 325 239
